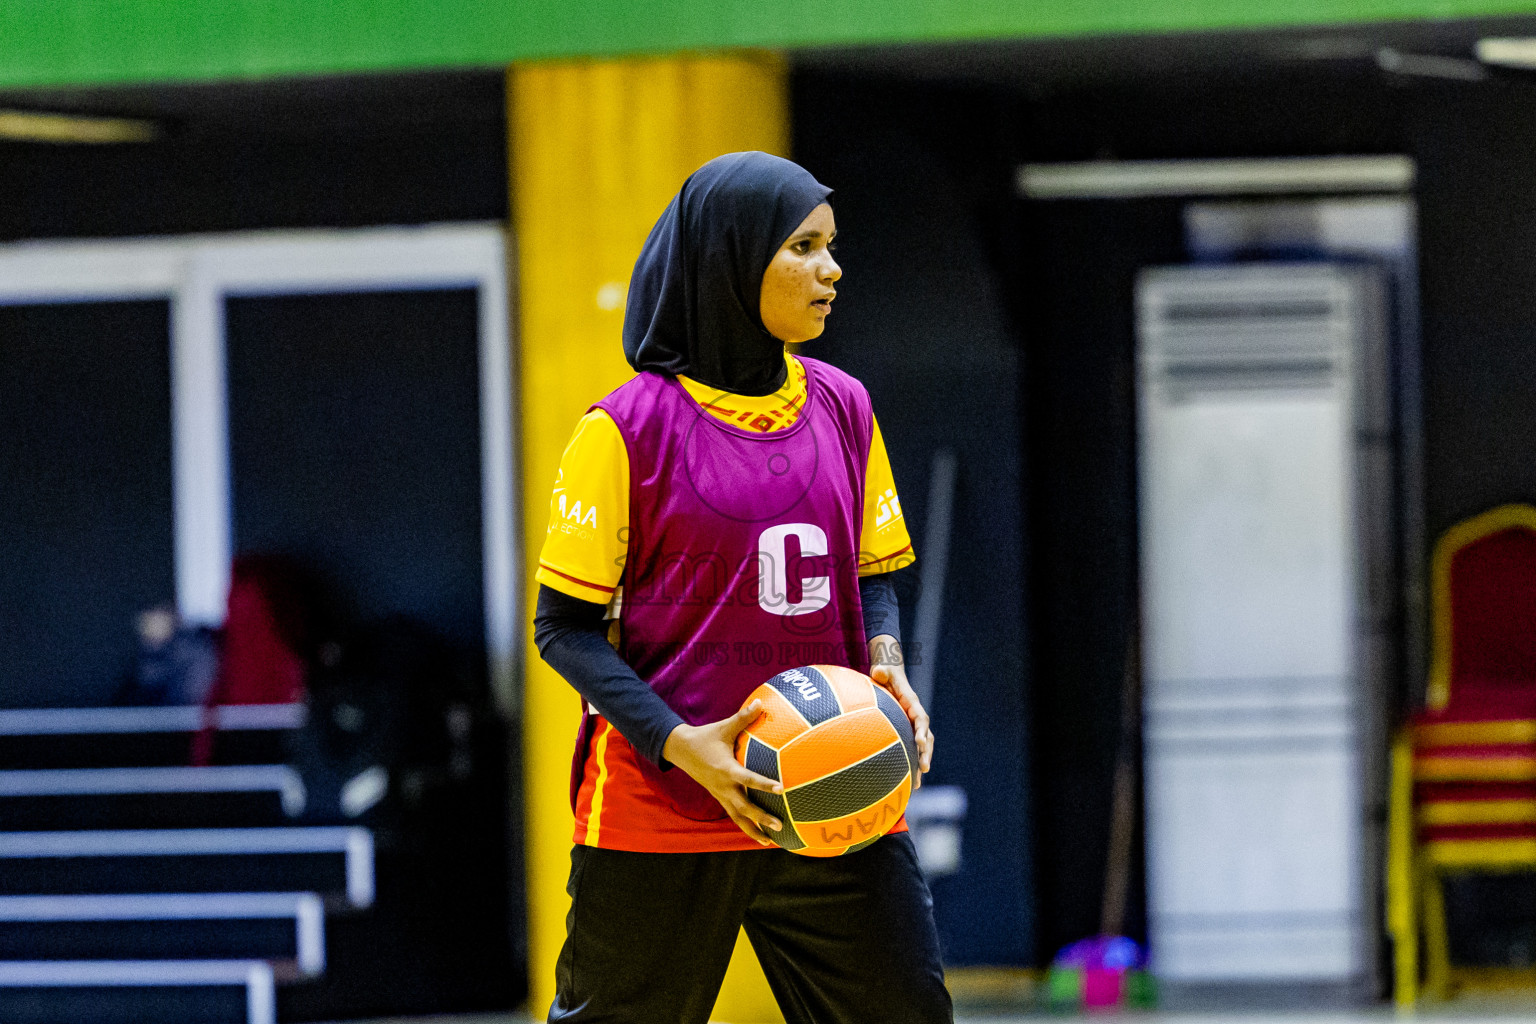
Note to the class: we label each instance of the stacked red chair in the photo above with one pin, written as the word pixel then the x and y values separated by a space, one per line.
pixel 1463 795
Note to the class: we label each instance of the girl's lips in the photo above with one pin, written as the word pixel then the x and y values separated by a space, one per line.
pixel 823 305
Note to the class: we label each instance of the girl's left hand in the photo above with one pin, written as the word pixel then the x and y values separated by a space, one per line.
pixel 893 676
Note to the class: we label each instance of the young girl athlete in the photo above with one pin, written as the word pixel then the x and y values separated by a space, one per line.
pixel 727 514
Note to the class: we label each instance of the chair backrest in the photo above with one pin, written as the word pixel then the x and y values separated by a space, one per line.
pixel 1485 611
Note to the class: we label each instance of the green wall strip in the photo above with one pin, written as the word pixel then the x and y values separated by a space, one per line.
pixel 73 42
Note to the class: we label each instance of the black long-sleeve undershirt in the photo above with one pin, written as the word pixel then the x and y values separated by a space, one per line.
pixel 572 637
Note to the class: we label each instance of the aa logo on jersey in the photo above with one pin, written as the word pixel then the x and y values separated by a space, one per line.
pixel 887 509
pixel 572 512
pixel 575 514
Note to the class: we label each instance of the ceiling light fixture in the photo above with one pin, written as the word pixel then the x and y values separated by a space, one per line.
pixel 1508 51
pixel 1429 65
pixel 1140 179
pixel 65 129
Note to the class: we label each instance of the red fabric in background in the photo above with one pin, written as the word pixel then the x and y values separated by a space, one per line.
pixel 1478 751
pixel 1467 792
pixel 268 635
pixel 261 664
pixel 1492 830
pixel 1493 620
pixel 1485 704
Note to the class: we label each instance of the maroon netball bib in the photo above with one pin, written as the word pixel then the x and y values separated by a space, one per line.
pixel 742 549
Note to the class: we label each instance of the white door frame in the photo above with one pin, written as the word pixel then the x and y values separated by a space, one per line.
pixel 195 273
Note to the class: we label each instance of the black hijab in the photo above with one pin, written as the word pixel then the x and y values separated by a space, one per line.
pixel 693 305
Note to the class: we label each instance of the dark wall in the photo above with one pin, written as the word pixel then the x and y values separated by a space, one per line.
pixel 85 494
pixel 920 319
pixel 404 149
pixel 1078 286
pixel 1299 109
pixel 228 183
pixel 1476 149
pixel 354 438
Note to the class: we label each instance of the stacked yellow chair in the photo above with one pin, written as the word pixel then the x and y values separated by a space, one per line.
pixel 1463 795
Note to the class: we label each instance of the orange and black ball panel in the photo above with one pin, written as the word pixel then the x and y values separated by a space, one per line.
pixel 899 721
pixel 764 760
pixel 843 750
pixel 808 692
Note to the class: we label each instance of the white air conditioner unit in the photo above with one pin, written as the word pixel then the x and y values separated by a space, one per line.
pixel 1252 415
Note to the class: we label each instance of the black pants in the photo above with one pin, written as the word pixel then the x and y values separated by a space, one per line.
pixel 843 940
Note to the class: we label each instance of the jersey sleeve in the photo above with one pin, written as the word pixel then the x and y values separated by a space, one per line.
pixel 884 544
pixel 585 545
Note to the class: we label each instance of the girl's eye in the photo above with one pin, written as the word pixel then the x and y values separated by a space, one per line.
pixel 802 247
pixel 832 246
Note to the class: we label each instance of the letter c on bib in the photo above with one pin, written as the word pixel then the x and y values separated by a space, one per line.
pixel 781 589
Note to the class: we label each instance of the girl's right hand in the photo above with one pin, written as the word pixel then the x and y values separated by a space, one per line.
pixel 707 754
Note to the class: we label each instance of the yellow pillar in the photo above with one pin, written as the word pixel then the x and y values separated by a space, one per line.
pixel 598 147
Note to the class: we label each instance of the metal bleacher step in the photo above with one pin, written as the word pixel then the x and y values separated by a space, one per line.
pixel 62 799
pixel 297 859
pixel 285 926
pixel 35 738
pixel 137 890
pixel 137 992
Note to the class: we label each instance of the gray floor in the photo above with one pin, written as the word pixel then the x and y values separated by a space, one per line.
pixel 1494 1012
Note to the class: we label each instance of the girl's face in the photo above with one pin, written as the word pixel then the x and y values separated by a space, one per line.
pixel 797 290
